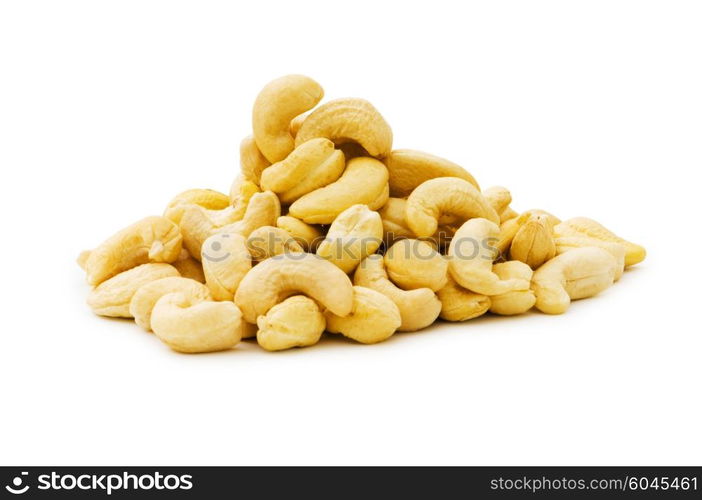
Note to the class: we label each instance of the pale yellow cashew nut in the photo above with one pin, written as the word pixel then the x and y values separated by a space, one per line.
pixel 295 322
pixel 251 161
pixel 499 198
pixel 518 301
pixel 274 109
pixel 459 304
pixel 145 298
pixel 471 255
pixel 275 279
pixel 189 267
pixel 413 263
pixel 153 239
pixel 365 182
pixel 348 120
pixel 206 198
pixel 373 317
pixel 240 194
pixel 445 196
pixel 225 260
pixel 307 235
pixel 356 233
pixel 263 210
pixel 618 251
pixel 533 242
pixel 418 308
pixel 269 241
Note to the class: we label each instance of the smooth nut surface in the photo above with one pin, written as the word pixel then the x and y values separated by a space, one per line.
pixel 459 304
pixel 413 263
pixel 373 317
pixel 295 322
pixel 145 298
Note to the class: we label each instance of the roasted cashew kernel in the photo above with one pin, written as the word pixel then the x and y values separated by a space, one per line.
pixel 251 160
pixel 409 168
pixel 153 239
pixel 459 304
pixel 145 298
pixel 187 324
pixel 373 317
pixel 269 241
pixel 275 279
pixel 356 233
pixel 471 255
pixel 445 196
pixel 364 182
pixel 518 301
pixel 577 274
pixel 307 235
pixel 418 308
pixel 225 260
pixel 295 322
pixel 412 263
pixel 112 297
pixel 348 120
pixel 276 105
pixel 582 226
pixel 533 243
pixel 312 165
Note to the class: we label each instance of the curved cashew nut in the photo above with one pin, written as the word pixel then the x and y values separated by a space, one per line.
pixel 348 120
pixel 251 160
pixel 295 322
pixel 308 236
pixel 189 267
pixel 471 255
pixel 412 263
pixel 395 225
pixel 187 324
pixel 618 251
pixel 445 195
pixel 373 318
pixel 153 239
pixel 312 165
pixel 262 210
pixel 552 220
pixel 508 214
pixel 356 233
pixel 240 195
pixel 577 274
pixel 145 298
pixel 225 260
pixel 365 182
pixel 269 241
pixel 206 198
pixel 409 168
pixel 418 308
pixel 197 224
pixel 459 304
pixel 519 301
pixel 112 297
pixel 499 198
pixel 275 107
pixel 276 278
pixel 582 226
pixel 533 243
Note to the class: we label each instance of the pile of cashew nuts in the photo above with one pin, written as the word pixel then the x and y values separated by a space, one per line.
pixel 327 228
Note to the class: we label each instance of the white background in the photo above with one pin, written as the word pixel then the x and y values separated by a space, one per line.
pixel 108 109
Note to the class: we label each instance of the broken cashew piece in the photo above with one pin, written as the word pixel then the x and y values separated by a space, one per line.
pixel 312 165
pixel 275 279
pixel 153 239
pixel 471 254
pixel 112 297
pixel 533 242
pixel 445 196
pixel 145 298
pixel 295 322
pixel 225 260
pixel 307 235
pixel 577 274
pixel 274 109
pixel 518 301
pixel 413 263
pixel 365 182
pixel 356 233
pixel 348 120
pixel 373 317
pixel 269 241
pixel 418 308
pixel 459 304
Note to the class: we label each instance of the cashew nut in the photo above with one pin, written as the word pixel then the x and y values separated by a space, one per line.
pixel 262 210
pixel 552 220
pixel 518 301
pixel 533 243
pixel 499 198
pixel 206 198
pixel 276 105
pixel 312 165
pixel 187 324
pixel 508 230
pixel 507 214
pixel 365 182
pixel 412 263
pixel 418 308
pixel 189 267
pixel 395 225
pixel 153 239
pixel 145 298
pixel 251 160
pixel 308 236
pixel 240 195
pixel 275 279
pixel 269 241
pixel 295 322
pixel 225 260
pixel 471 255
pixel 577 274
pixel 445 195
pixel 356 233
pixel 373 317
pixel 582 226
pixel 459 304
pixel 112 297
pixel 409 168
pixel 618 251
pixel 348 120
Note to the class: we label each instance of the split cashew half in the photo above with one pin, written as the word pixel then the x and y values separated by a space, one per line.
pixel 295 322
pixel 145 298
pixel 373 317
pixel 459 304
pixel 275 279
pixel 412 263
pixel 518 301
pixel 445 196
